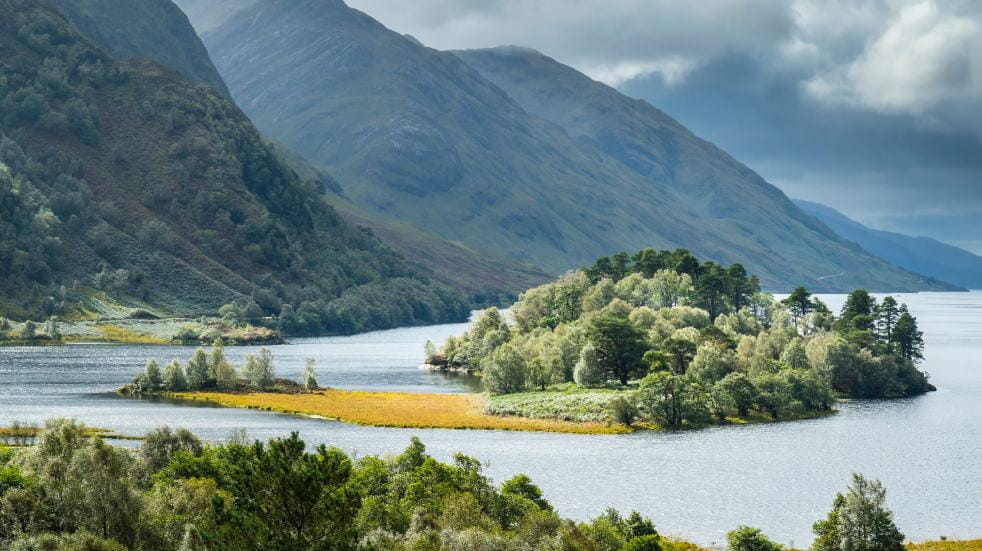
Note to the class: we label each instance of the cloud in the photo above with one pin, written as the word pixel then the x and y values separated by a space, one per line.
pixel 921 59
pixel 610 41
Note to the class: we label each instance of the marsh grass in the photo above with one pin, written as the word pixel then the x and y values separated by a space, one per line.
pixel 395 409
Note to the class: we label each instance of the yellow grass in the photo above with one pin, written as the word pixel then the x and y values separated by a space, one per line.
pixel 115 333
pixel 967 545
pixel 396 409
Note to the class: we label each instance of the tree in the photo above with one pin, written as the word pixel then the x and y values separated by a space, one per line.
pixel 174 378
pixel 857 321
pixel 711 288
pixel 908 338
pixel 152 379
pixel 674 399
pixel 680 353
pixel 799 303
pixel 309 377
pixel 587 372
pixel 794 355
pixel 298 500
pixel 521 485
pixel 504 370
pixel 741 390
pixel 29 330
pixel 225 376
pixel 217 358
pixel 259 369
pixel 887 314
pixel 740 286
pixel 198 370
pixel 773 393
pixel 101 497
pixel 620 347
pixel 160 444
pixel 623 411
pixel 859 521
pixel 746 538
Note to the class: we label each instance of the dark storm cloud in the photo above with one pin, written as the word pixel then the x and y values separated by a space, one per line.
pixel 872 107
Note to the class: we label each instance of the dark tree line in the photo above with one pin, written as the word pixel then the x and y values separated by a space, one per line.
pixel 718 289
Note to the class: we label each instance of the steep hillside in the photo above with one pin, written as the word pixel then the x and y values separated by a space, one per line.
pixel 150 29
pixel 418 135
pixel 728 198
pixel 127 186
pixel 486 278
pixel 923 255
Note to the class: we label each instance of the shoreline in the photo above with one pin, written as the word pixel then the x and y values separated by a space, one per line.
pixel 457 411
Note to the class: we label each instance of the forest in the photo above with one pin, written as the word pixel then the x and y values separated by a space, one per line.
pixel 688 342
pixel 65 489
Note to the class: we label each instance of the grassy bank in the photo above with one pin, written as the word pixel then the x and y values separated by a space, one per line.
pixel 395 409
pixel 145 331
pixel 966 545
pixel 572 403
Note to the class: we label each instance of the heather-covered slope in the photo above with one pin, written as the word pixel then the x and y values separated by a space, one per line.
pixel 127 186
pixel 923 255
pixel 152 29
pixel 420 136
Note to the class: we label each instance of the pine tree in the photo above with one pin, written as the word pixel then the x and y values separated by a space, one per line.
pixel 887 315
pixel 909 339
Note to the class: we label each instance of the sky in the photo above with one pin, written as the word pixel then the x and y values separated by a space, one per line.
pixel 873 107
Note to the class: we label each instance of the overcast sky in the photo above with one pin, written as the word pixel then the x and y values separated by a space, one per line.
pixel 872 107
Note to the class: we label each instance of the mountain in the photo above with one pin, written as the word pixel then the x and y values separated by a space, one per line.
pixel 124 187
pixel 444 142
pixel 150 29
pixel 923 255
pixel 158 30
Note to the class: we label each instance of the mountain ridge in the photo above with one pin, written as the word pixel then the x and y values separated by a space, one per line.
pixel 423 136
pixel 921 254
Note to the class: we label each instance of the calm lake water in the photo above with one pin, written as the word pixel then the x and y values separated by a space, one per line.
pixel 699 485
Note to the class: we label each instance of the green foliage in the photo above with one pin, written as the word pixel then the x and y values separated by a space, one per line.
pixel 504 371
pixel 859 521
pixel 746 538
pixel 763 357
pixel 620 346
pixel 259 369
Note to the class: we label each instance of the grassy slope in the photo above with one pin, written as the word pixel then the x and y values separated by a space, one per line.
pixel 232 218
pixel 417 135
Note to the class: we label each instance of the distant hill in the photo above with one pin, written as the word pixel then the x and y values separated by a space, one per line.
pixel 449 143
pixel 923 255
pixel 150 29
pixel 124 186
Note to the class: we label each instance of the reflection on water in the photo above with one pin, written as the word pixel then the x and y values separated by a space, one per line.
pixel 697 484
